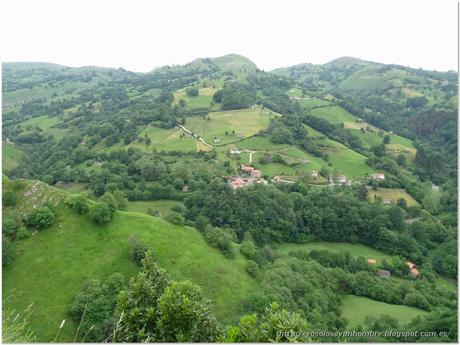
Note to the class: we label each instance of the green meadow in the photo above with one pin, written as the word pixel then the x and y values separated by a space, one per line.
pixel 11 155
pixel 52 266
pixel 220 126
pixel 356 308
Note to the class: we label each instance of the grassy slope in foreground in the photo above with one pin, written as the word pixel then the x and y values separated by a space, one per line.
pixel 356 308
pixel 53 265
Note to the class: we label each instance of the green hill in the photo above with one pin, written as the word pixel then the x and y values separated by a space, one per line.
pixel 52 265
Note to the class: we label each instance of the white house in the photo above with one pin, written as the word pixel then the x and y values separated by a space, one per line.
pixel 341 179
pixel 378 176
pixel 235 151
pixel 314 173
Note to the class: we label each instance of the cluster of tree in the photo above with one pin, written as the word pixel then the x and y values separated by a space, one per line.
pixel 235 95
pixel 302 213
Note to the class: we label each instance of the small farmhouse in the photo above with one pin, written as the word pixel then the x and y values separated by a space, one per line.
pixel 238 183
pixel 314 173
pixel 341 179
pixel 256 173
pixel 235 151
pixel 384 274
pixel 246 169
pixel 378 176
pixel 414 273
pixel 371 261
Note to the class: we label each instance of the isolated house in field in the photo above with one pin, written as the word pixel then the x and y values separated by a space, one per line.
pixel 414 273
pixel 235 151
pixel 216 140
pixel 387 201
pixel 371 261
pixel 378 176
pixel 314 173
pixel 384 274
pixel 256 173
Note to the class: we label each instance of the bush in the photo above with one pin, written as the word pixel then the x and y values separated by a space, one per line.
pixel 137 250
pixel 9 199
pixel 79 203
pixel 218 238
pixel 41 218
pixel 7 251
pixel 100 213
pixel 252 268
pixel 248 249
pixel 110 201
pixel 179 209
pixel 153 212
pixel 192 91
pixel 175 218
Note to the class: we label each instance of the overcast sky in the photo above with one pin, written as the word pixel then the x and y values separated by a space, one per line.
pixel 140 35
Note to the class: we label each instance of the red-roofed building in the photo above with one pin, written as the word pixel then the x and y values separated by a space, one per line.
pixel 410 264
pixel 371 261
pixel 414 273
pixel 246 168
pixel 238 183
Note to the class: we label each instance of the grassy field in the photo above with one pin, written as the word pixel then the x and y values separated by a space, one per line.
pixel 11 155
pixel 348 162
pixel 310 103
pixel 356 308
pixel 47 124
pixel 334 114
pixel 245 123
pixel 161 206
pixel 393 195
pixel 203 100
pixel 52 266
pixel 355 249
pixel 294 92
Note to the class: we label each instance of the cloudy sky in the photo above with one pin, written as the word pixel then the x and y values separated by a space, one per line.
pixel 140 35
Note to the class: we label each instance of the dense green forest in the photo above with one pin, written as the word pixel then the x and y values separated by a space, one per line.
pixel 121 186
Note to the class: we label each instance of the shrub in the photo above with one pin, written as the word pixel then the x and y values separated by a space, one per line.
pixel 178 208
pixel 153 212
pixel 41 218
pixel 218 238
pixel 7 251
pixel 248 249
pixel 252 268
pixel 137 250
pixel 192 91
pixel 9 199
pixel 100 213
pixel 79 203
pixel 175 218
pixel 110 201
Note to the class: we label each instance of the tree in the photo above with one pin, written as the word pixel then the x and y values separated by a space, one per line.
pixel 401 160
pixel 100 213
pixel 432 201
pixel 252 268
pixel 192 91
pixel 41 218
pixel 361 192
pixel 248 249
pixel 175 218
pixel 79 203
pixel 137 309
pixel 184 315
pixel 7 251
pixel 137 249
pixel 93 307
pixel 386 139
pixel 110 201
pixel 275 325
pixel 9 199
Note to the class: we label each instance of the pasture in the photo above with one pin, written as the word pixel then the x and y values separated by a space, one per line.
pixel 52 266
pixel 11 155
pixel 355 249
pixel 162 206
pixel 225 127
pixel 392 195
pixel 356 308
pixel 203 100
pixel 334 114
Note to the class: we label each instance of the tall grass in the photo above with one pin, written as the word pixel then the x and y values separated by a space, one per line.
pixel 15 325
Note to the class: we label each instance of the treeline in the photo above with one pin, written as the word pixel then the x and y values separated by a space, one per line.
pixel 301 214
